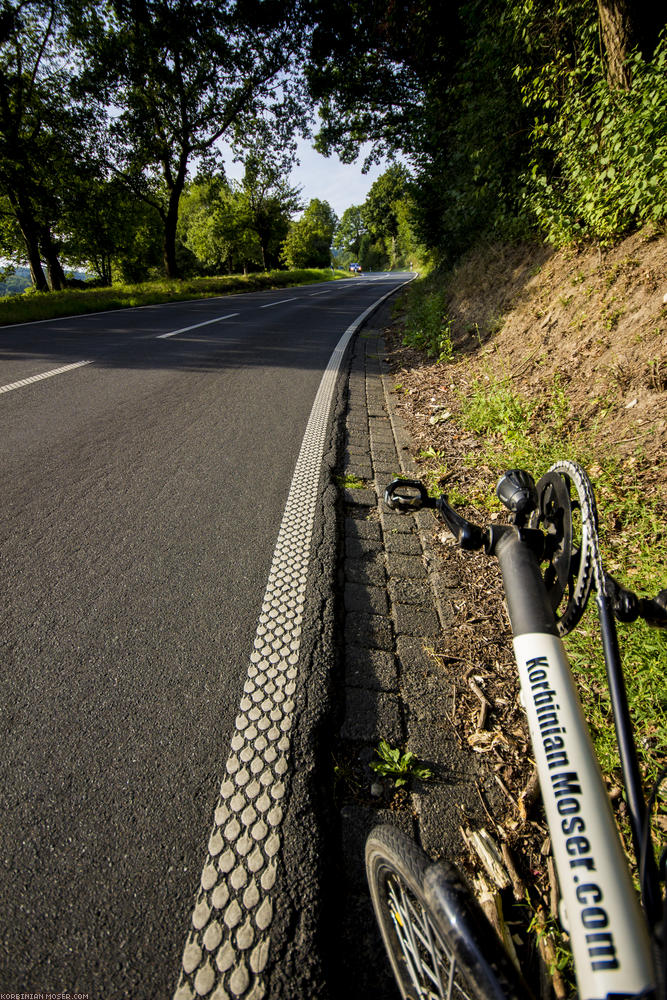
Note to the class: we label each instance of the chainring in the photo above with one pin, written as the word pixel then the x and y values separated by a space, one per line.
pixel 566 513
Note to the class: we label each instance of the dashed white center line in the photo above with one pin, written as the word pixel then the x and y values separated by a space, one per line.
pixel 195 326
pixel 42 375
pixel 313 294
pixel 282 301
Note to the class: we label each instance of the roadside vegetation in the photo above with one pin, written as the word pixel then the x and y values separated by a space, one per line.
pixel 557 412
pixel 521 385
pixel 36 306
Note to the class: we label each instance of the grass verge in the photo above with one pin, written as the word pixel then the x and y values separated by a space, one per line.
pixel 495 422
pixel 33 306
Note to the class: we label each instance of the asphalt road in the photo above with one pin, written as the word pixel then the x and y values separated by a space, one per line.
pixel 141 497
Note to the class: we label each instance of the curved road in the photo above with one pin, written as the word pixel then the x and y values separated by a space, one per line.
pixel 147 459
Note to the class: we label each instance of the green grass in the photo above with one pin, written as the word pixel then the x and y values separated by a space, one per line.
pixel 427 326
pixel 350 482
pixel 633 537
pixel 33 306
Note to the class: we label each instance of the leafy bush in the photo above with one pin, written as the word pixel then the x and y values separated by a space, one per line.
pixel 607 173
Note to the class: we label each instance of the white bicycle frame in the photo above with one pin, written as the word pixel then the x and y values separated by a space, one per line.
pixel 600 908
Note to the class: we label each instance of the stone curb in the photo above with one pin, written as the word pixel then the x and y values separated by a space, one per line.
pixel 396 599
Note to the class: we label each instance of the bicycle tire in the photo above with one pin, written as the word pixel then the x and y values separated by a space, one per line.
pixel 439 943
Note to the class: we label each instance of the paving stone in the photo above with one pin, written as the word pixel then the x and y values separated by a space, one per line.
pixel 411 619
pixel 360 548
pixel 362 469
pixel 360 498
pixel 409 591
pixel 371 716
pixel 357 823
pixel 371 570
pixel 382 440
pixel 363 597
pixel 404 544
pixel 365 629
pixel 410 567
pixel 414 656
pixel 370 668
pixel 356 453
pixel 393 523
pixel 366 528
pixel 384 458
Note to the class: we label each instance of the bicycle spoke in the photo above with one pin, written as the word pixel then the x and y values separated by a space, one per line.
pixel 431 967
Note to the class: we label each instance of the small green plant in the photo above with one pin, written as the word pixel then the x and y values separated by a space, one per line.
pixel 402 767
pixel 430 453
pixel 350 482
pixel 345 777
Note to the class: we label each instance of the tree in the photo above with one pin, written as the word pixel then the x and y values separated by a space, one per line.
pixel 350 231
pixel 111 232
pixel 186 73
pixel 624 25
pixel 381 209
pixel 47 132
pixel 308 242
pixel 269 199
pixel 216 226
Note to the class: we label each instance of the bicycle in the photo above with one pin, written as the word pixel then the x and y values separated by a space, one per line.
pixel 439 942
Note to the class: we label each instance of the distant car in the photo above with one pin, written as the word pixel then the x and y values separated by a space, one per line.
pixel 356 268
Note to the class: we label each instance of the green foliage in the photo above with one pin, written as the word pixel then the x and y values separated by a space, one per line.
pixel 493 407
pixel 606 173
pixel 308 243
pixel 402 767
pixel 509 112
pixel 350 232
pixel 25 308
pixel 634 549
pixel 427 326
pixel 350 482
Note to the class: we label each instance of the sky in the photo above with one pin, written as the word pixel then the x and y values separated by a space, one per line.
pixel 326 178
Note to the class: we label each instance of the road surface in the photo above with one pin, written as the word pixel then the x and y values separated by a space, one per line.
pixel 148 456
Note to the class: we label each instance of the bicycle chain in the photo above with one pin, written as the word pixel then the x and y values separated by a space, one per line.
pixel 590 559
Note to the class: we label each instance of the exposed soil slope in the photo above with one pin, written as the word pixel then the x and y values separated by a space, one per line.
pixel 593 324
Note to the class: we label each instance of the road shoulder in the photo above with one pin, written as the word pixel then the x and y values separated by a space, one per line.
pixel 395 602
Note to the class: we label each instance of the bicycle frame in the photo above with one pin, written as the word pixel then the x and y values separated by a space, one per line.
pixel 600 909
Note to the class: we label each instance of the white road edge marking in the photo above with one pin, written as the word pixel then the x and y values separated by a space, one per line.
pixel 38 378
pixel 282 301
pixel 228 941
pixel 195 326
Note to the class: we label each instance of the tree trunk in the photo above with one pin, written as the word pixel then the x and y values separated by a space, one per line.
pixel 617 35
pixel 30 237
pixel 55 273
pixel 171 218
pixel 169 249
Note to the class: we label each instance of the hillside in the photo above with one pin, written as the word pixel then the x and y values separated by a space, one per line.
pixel 555 355
pixel 592 323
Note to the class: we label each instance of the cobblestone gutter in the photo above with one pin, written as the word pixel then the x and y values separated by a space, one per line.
pixel 397 599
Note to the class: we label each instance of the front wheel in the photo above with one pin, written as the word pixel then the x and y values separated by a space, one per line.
pixel 439 942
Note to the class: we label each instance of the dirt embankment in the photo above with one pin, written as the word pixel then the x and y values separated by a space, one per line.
pixel 593 324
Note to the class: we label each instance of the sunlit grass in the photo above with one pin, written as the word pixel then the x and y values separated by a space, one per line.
pixel 33 306
pixel 633 537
